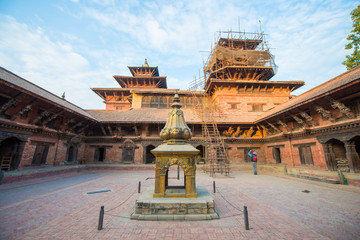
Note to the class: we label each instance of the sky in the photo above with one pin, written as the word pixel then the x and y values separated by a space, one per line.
pixel 73 45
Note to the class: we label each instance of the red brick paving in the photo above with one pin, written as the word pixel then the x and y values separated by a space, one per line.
pixel 278 209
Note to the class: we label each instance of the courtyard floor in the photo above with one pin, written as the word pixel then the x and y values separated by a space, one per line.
pixel 280 207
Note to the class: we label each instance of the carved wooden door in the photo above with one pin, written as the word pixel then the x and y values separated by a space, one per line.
pixel 128 152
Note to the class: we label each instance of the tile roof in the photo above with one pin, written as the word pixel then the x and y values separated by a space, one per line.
pixel 21 83
pixel 314 93
pixel 154 115
pixel 140 115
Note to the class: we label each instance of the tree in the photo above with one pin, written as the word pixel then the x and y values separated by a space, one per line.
pixel 353 60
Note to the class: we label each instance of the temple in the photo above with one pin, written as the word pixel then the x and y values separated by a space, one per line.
pixel 235 107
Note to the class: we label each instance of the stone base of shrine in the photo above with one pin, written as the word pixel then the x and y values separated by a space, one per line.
pixel 175 209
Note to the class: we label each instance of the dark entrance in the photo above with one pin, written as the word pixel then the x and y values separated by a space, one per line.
pixel 99 154
pixel 201 156
pixel 276 155
pixel 150 158
pixel 72 154
pixel 10 154
pixel 40 154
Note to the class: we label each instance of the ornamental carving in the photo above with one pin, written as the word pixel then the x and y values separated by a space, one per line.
pixel 343 109
pixel 324 113
pixel 275 128
pixel 308 118
pixel 284 125
pixel 299 121
pixel 12 102
pixel 165 165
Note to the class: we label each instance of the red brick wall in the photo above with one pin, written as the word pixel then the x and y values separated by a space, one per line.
pixel 290 154
pixel 27 155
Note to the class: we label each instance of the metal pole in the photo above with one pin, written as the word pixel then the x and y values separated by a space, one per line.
pixel 246 218
pixel 139 187
pixel 178 173
pixel 101 218
pixel 214 187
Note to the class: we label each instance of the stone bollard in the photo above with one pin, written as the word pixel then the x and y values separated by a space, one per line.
pixel 246 218
pixel 101 218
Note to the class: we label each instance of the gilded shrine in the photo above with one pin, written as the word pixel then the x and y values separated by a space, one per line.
pixel 175 151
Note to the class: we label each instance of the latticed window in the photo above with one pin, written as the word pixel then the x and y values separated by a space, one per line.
pixel 146 101
pixel 164 102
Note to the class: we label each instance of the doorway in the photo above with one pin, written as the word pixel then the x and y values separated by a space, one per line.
pixel 72 154
pixel 99 155
pixel 10 154
pixel 276 155
pixel 149 157
pixel 201 157
pixel 128 151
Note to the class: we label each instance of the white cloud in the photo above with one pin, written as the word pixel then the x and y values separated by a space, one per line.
pixel 54 66
pixel 308 38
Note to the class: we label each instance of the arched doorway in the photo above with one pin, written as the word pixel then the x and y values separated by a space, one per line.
pixel 10 154
pixel 336 159
pixel 149 157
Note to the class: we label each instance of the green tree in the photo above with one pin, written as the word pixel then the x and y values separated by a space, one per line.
pixel 353 60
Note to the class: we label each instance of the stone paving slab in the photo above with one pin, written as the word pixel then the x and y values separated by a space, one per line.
pixel 278 209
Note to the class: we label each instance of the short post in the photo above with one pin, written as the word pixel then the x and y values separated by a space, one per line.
pixel 178 173
pixel 214 187
pixel 246 218
pixel 101 218
pixel 139 187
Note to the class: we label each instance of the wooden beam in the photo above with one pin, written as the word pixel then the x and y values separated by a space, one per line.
pixel 110 130
pixel 103 130
pixel 12 102
pixel 54 116
pixel 24 109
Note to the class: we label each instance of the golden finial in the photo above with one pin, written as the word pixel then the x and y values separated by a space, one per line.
pixel 176 128
pixel 146 63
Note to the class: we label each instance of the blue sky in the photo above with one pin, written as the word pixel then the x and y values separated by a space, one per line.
pixel 76 45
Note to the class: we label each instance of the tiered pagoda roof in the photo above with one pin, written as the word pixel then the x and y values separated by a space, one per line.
pixel 242 58
pixel 142 77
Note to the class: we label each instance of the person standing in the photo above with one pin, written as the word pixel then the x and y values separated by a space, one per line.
pixel 253 156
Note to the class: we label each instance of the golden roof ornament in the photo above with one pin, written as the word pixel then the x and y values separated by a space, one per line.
pixel 176 129
pixel 146 63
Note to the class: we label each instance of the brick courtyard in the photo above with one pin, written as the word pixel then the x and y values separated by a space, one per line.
pixel 59 207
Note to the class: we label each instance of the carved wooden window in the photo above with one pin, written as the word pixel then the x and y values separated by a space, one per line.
pixel 256 107
pixel 306 157
pixel 154 102
pixel 233 105
pixel 40 154
pixel 146 101
pixel 163 102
